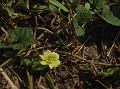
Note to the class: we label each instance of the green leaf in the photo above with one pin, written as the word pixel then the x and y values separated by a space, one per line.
pixel 78 30
pixel 27 61
pixel 71 1
pixel 83 14
pixel 6 45
pixel 115 10
pixel 53 8
pixel 87 5
pixel 10 11
pixel 22 37
pixel 109 71
pixel 58 4
pixel 74 4
pixel 37 66
pixel 10 2
pixel 91 1
pixel 42 7
pixel 9 8
pixel 60 31
pixel 108 16
pixel 97 3
pixel 21 1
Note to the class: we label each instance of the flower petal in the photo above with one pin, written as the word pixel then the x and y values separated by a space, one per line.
pixel 51 66
pixel 41 56
pixel 54 64
pixel 57 63
pixel 47 53
pixel 43 63
pixel 56 55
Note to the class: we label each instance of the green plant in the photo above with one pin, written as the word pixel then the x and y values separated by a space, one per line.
pixel 20 38
pixel 86 13
pixel 59 25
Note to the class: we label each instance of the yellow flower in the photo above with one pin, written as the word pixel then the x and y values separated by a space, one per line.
pixel 50 58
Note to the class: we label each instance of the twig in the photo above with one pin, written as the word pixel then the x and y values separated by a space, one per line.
pixel 42 87
pixel 6 62
pixel 116 38
pixel 6 33
pixel 27 4
pixel 87 61
pixel 45 29
pixel 47 76
pixel 20 80
pixel 8 79
pixel 39 85
pixel 102 84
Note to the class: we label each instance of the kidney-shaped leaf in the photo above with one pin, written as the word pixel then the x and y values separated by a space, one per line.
pixel 22 37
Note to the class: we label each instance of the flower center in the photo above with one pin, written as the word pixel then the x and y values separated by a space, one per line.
pixel 50 59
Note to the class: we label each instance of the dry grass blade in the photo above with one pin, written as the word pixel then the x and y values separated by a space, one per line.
pixel 8 79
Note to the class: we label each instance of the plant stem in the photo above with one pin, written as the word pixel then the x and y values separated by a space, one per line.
pixel 30 79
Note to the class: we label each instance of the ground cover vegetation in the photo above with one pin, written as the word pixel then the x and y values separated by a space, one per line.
pixel 59 44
